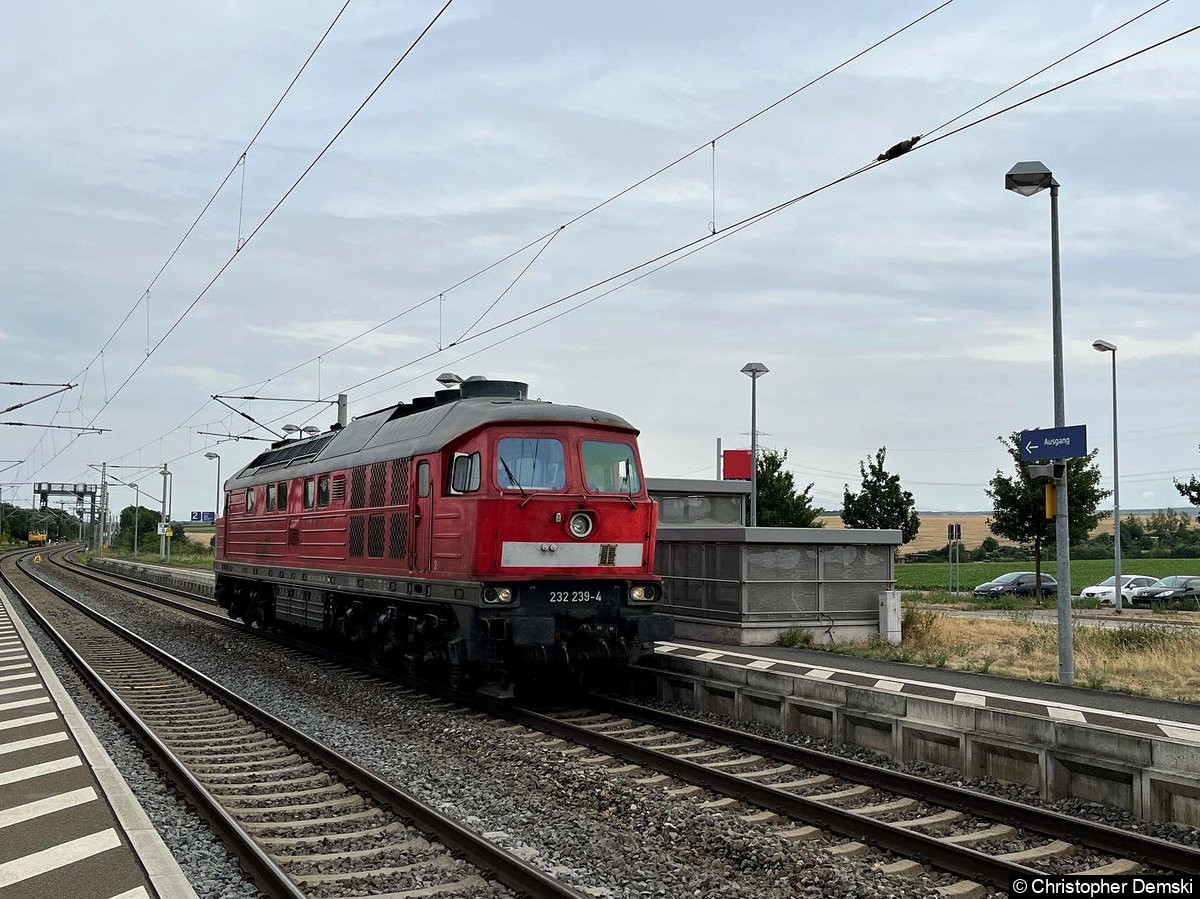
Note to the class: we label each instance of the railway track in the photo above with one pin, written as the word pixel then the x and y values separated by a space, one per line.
pixel 303 820
pixel 857 808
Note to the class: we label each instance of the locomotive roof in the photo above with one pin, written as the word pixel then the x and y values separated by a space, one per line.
pixel 397 432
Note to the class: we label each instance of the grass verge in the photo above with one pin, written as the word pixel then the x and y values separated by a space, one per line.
pixel 195 562
pixel 1141 659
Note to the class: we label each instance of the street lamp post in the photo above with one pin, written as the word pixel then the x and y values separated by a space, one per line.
pixel 217 507
pixel 754 370
pixel 1027 179
pixel 1104 346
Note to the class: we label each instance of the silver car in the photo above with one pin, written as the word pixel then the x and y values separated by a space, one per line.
pixel 1106 589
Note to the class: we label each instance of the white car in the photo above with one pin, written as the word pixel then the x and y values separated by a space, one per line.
pixel 1105 590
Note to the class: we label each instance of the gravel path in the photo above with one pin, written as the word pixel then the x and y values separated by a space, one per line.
pixel 601 832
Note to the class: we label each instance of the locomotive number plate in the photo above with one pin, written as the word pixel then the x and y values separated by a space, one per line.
pixel 575 596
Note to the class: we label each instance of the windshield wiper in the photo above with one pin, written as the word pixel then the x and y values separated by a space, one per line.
pixel 512 477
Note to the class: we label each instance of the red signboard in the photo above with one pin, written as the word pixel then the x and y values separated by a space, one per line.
pixel 736 465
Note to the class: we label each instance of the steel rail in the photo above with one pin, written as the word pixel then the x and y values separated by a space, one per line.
pixel 1149 850
pixel 1129 844
pixel 960 860
pixel 506 867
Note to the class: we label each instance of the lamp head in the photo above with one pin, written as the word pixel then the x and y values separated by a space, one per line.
pixel 1103 346
pixel 448 379
pixel 211 456
pixel 754 369
pixel 310 430
pixel 1027 178
pixel 290 429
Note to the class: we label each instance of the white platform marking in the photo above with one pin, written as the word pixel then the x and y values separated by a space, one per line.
pixel 1060 713
pixel 44 740
pixel 12 677
pixel 24 703
pixel 135 893
pixel 32 771
pixel 56 857
pixel 761 664
pixel 976 699
pixel 47 806
pixel 820 673
pixel 24 688
pixel 709 656
pixel 28 719
pixel 17 667
pixel 893 686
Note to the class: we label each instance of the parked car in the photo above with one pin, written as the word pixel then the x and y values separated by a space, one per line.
pixel 1017 583
pixel 1106 590
pixel 1178 586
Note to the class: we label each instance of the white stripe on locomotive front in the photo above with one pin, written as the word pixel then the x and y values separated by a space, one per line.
pixel 568 555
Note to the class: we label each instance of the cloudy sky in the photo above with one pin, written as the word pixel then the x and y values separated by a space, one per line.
pixel 908 307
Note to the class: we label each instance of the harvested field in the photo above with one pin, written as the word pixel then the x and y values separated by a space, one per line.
pixel 932 534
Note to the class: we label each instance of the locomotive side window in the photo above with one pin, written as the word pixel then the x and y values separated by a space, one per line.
pixel 610 467
pixel 270 497
pixel 422 479
pixel 530 463
pixel 465 473
pixel 249 500
pixel 323 491
pixel 282 492
pixel 310 493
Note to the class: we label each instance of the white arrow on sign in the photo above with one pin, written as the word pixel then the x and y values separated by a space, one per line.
pixel 1029 448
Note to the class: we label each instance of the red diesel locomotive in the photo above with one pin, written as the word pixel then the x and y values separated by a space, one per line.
pixel 475 531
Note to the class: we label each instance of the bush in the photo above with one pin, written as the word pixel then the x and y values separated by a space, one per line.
pixel 796 637
pixel 916 625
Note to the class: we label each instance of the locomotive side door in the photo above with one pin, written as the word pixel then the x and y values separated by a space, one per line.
pixel 422 523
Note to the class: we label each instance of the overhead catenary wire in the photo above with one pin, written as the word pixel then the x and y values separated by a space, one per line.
pixel 554 232
pixel 623 191
pixel 689 247
pixel 271 212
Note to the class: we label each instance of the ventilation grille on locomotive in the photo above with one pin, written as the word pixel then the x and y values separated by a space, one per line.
pixel 356 536
pixel 375 536
pixel 399 482
pixel 378 484
pixel 358 487
pixel 339 487
pixel 397 536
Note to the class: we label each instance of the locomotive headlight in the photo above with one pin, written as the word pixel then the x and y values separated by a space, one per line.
pixel 637 593
pixel 497 594
pixel 643 593
pixel 580 525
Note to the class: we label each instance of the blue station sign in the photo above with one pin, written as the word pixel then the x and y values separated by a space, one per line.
pixel 1042 445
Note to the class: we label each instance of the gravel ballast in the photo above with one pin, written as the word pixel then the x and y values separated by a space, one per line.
pixel 601 832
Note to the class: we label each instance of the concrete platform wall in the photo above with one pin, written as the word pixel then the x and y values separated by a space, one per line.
pixel 1154 779
pixel 199 582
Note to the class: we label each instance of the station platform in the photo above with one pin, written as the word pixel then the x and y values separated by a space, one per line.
pixel 1135 753
pixel 1118 711
pixel 69 825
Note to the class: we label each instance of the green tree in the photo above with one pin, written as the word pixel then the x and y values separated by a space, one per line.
pixel 1019 505
pixel 780 505
pixel 147 528
pixel 882 502
pixel 1189 490
pixel 1168 525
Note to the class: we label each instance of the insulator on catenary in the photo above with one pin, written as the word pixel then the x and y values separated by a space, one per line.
pixel 899 149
